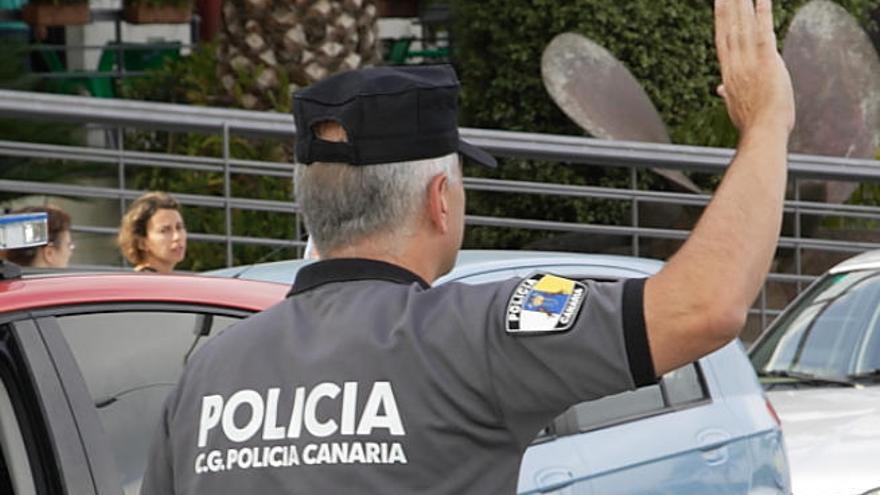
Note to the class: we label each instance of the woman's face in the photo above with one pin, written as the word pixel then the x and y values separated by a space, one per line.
pixel 165 243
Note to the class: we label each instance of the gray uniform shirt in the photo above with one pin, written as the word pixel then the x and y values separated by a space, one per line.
pixel 366 380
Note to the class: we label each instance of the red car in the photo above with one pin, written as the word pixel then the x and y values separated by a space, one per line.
pixel 86 362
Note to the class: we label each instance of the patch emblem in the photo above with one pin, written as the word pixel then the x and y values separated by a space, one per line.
pixel 544 303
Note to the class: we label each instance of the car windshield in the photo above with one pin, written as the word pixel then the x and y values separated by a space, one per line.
pixel 832 334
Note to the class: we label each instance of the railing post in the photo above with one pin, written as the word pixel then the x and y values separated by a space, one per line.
pixel 227 192
pixel 764 305
pixel 120 170
pixel 634 186
pixel 120 53
pixel 797 233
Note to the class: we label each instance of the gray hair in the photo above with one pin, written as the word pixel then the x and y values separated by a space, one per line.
pixel 343 204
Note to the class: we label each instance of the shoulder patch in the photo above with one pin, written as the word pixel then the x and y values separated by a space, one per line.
pixel 544 303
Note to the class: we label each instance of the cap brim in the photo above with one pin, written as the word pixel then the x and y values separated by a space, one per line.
pixel 476 154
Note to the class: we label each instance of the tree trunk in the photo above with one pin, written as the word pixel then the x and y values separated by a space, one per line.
pixel 268 49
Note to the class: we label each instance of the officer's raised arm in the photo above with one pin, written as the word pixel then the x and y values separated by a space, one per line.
pixel 700 300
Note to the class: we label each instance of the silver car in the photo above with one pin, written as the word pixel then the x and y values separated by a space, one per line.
pixel 820 364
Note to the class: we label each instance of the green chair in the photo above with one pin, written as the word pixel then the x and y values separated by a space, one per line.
pixel 397 53
pixel 141 57
pixel 401 51
pixel 99 85
pixel 136 57
pixel 435 54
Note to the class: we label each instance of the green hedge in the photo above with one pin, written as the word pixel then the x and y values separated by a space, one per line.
pixel 666 44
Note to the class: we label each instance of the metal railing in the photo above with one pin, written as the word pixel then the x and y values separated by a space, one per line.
pixel 117 115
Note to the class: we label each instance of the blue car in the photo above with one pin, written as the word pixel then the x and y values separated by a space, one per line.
pixel 705 428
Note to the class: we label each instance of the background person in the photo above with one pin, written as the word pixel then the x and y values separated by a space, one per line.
pixel 152 236
pixel 57 252
pixel 368 380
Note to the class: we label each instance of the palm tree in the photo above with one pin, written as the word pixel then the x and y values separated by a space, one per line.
pixel 268 49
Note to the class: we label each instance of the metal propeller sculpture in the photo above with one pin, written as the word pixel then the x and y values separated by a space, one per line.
pixel 598 93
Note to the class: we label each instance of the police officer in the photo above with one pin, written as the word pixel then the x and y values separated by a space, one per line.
pixel 366 379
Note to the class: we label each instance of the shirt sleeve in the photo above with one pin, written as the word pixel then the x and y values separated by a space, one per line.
pixel 589 345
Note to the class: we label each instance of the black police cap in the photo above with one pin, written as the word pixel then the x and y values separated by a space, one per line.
pixel 390 114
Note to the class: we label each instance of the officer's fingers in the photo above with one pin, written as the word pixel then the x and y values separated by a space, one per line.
pixel 764 16
pixel 723 19
pixel 745 27
pixel 736 13
pixel 721 92
pixel 722 31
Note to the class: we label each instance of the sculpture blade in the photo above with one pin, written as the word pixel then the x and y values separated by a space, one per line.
pixel 835 71
pixel 598 93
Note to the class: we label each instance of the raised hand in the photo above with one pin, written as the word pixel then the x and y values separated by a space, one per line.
pixel 756 86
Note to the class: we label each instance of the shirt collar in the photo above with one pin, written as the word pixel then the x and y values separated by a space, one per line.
pixel 351 269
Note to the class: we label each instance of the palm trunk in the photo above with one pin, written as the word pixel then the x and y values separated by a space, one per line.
pixel 268 49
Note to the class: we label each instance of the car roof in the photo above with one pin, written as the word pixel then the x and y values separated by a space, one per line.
pixel 473 262
pixel 72 289
pixel 469 262
pixel 865 261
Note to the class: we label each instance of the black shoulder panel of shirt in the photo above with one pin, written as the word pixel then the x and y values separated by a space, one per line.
pixel 351 269
pixel 635 333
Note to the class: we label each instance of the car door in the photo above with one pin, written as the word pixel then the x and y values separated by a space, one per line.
pixel 674 437
pixel 665 438
pixel 125 359
pixel 50 439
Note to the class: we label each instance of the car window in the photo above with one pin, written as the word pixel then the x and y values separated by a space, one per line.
pixel 833 331
pixel 678 388
pixel 130 361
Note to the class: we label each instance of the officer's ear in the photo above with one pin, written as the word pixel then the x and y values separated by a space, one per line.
pixel 437 203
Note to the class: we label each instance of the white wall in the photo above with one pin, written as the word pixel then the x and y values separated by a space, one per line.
pixel 99 33
pixel 396 27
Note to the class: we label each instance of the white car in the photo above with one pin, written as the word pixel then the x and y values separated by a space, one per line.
pixel 820 364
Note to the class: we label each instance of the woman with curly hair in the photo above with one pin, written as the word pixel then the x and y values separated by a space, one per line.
pixel 152 236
